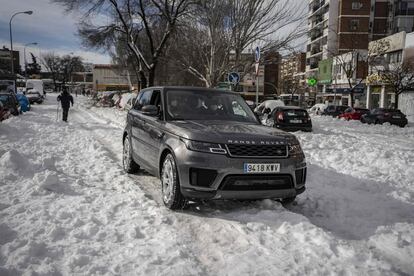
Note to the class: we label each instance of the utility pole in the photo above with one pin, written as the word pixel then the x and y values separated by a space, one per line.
pixel 11 45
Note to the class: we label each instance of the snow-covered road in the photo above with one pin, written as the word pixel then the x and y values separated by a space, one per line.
pixel 67 208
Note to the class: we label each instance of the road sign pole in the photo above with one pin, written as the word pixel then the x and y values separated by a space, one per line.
pixel 257 89
pixel 257 59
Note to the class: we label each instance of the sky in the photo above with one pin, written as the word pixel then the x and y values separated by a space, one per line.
pixel 49 25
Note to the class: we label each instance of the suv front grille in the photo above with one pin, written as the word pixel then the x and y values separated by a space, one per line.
pixel 257 150
pixel 256 182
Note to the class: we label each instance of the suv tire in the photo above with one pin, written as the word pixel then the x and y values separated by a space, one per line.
pixel 128 163
pixel 170 184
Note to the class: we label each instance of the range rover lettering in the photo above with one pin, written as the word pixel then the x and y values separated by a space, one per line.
pixel 207 144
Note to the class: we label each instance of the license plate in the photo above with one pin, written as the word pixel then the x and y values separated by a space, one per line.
pixel 296 121
pixel 261 168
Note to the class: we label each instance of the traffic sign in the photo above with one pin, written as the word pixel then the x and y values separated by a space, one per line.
pixel 234 78
pixel 257 54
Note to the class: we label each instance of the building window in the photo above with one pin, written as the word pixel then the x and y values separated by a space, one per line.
pixel 354 24
pixel 356 5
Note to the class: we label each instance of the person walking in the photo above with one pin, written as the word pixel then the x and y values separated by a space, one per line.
pixel 65 100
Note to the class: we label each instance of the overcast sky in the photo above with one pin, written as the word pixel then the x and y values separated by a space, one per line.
pixel 49 26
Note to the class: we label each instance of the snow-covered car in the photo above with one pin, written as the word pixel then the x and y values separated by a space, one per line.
pixel 127 100
pixel 4 112
pixel 317 109
pixel 10 102
pixel 263 110
pixel 34 96
pixel 268 104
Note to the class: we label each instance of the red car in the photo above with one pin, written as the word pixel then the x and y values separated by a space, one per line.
pixel 353 113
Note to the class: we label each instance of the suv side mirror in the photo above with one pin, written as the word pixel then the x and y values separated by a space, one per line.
pixel 150 110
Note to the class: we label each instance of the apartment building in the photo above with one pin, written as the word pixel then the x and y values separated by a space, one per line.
pixel 322 35
pixel 338 26
pixel 292 69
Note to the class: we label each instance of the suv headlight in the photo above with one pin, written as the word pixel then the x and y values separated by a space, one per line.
pixel 204 146
pixel 295 150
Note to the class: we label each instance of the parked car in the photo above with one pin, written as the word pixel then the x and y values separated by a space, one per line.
pixel 290 118
pixel 10 102
pixel 268 105
pixel 23 101
pixel 353 113
pixel 334 110
pixel 251 104
pixel 207 144
pixel 4 112
pixel 317 109
pixel 382 115
pixel 34 96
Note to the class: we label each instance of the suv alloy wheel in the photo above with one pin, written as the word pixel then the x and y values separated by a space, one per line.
pixel 171 194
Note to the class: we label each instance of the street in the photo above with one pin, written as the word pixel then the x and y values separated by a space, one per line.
pixel 68 208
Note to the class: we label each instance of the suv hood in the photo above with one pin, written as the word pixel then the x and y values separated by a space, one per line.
pixel 226 132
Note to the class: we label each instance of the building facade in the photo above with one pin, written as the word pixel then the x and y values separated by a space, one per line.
pixel 292 69
pixel 340 26
pixel 112 77
pixel 5 64
pixel 396 49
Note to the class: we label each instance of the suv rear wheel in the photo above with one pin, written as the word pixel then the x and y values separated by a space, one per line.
pixel 171 194
pixel 128 163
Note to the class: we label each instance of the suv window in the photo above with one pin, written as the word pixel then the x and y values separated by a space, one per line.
pixel 148 97
pixel 144 98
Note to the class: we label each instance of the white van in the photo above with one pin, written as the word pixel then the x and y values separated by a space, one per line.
pixel 34 84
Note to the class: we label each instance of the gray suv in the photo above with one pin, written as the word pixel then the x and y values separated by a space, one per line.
pixel 207 144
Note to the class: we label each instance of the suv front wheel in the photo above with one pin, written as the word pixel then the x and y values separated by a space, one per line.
pixel 171 194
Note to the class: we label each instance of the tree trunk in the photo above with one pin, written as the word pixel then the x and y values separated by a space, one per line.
pixel 352 98
pixel 396 100
pixel 143 80
pixel 151 76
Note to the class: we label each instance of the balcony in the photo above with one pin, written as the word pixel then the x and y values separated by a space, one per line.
pixel 316 5
pixel 316 50
pixel 315 34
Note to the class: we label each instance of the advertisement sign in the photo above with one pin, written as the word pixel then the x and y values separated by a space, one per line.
pixel 325 71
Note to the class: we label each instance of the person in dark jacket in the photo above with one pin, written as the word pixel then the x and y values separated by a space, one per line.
pixel 65 100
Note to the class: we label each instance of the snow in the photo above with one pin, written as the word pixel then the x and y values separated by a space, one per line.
pixel 66 206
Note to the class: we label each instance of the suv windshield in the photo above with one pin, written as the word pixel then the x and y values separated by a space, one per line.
pixel 207 105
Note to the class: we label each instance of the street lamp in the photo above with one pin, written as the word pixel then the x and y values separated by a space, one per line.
pixel 25 60
pixel 11 38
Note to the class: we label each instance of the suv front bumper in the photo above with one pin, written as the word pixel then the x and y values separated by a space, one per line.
pixel 224 171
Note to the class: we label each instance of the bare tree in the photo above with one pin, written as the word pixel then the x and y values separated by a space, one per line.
pixel 141 23
pixel 69 64
pixel 353 65
pixel 216 37
pixel 399 76
pixel 51 62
